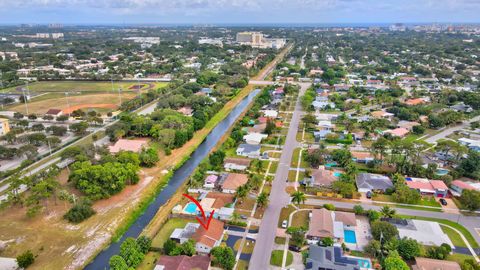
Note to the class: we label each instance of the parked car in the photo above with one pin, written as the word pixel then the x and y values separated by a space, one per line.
pixel 284 224
pixel 243 217
pixel 443 201
pixel 294 248
pixel 369 195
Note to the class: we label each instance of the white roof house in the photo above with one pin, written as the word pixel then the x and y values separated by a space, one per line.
pixel 270 113
pixel 425 232
pixel 254 138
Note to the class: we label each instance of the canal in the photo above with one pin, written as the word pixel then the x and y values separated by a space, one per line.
pixel 178 178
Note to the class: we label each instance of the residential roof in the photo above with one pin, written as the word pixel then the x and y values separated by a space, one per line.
pixel 258 128
pixel 234 180
pixel 184 262
pixel 128 145
pixel 221 199
pixel 346 218
pixel 322 177
pixel 249 148
pixel 462 185
pixel 238 161
pixel 361 155
pixel 212 178
pixel 379 114
pixel 415 101
pixel 211 236
pixel 54 111
pixel 407 124
pixel 373 181
pixel 432 264
pixel 185 110
pixel 399 132
pixel 321 223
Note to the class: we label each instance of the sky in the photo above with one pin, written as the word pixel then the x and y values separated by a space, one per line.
pixel 249 12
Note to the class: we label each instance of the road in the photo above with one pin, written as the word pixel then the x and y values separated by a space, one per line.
pixel 447 131
pixel 279 198
pixel 471 223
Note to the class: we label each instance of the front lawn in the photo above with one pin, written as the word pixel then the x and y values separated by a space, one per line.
pixel 454 237
pixel 300 219
pixel 277 257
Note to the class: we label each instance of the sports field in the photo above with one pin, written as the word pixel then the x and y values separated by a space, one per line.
pixel 84 86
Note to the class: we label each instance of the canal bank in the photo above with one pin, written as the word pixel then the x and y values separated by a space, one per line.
pixel 176 181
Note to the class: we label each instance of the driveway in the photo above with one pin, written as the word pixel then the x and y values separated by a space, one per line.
pixel 447 131
pixel 278 196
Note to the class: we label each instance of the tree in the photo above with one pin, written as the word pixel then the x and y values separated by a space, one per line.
pixel 408 248
pixel 342 156
pixel 438 253
pixel 80 211
pixel 241 192
pixel 298 197
pixel 358 209
pixel 327 242
pixel 79 128
pixel 387 212
pixel 169 246
pixel 216 158
pixel 383 231
pixel 373 215
pixel 117 262
pixel 262 199
pixel 144 243
pixel 297 236
pixel 223 257
pixel 57 130
pixel 188 248
pixel 18 115
pixel 470 199
pixel 346 189
pixel 25 259
pixel 62 118
pixel 148 157
pixel 395 262
pixel 373 248
pixel 403 194
pixel 270 127
pixel 470 264
pixel 130 252
pixel 329 206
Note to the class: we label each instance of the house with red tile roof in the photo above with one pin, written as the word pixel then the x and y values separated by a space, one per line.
pixel 207 239
pixel 436 188
pixel 54 112
pixel 459 186
pixel 398 132
pixel 415 101
pixel 233 181
pixel 183 262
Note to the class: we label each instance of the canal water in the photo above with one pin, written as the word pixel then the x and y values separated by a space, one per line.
pixel 178 178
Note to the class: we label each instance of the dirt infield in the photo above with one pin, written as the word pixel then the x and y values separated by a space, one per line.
pixel 87 106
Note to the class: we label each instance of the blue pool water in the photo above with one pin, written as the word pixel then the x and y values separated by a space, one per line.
pixel 332 164
pixel 337 174
pixel 191 208
pixel 364 263
pixel 442 171
pixel 350 237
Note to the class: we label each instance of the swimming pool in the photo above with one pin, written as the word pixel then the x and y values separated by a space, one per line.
pixel 190 208
pixel 364 263
pixel 332 164
pixel 350 237
pixel 441 172
pixel 337 174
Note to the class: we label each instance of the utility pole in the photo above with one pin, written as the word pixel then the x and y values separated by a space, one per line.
pixel 25 100
pixel 68 104
pixel 120 95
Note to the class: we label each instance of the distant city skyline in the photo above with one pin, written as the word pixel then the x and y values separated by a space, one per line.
pixel 246 12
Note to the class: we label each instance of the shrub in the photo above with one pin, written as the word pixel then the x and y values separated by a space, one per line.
pixel 25 259
pixel 80 211
pixel 329 206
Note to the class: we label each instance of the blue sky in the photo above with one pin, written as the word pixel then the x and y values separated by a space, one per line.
pixel 237 11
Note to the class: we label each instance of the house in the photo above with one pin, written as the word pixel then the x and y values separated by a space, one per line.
pixel 373 182
pixel 408 125
pixel 382 114
pixel 8 263
pixel 183 262
pixel 415 101
pixel 432 264
pixel 54 112
pixel 321 134
pixel 4 126
pixel 248 150
pixel 436 188
pixel 461 107
pixel 208 239
pixel 472 144
pixel 210 181
pixel 459 186
pixel 237 164
pixel 181 236
pixel 329 224
pixel 398 132
pixel 258 128
pixel 254 138
pixel 270 113
pixel 135 145
pixel 332 258
pixel 321 178
pixel 225 213
pixel 362 157
pixel 187 111
pixel 427 233
pixel 321 105
pixel 326 124
pixel 233 181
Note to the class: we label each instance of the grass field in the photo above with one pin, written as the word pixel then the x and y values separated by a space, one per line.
pixel 454 237
pixel 277 257
pixel 84 86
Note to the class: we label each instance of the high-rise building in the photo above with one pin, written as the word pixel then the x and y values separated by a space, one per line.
pixel 252 38
pixel 4 126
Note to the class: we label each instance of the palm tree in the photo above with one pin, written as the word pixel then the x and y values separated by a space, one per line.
pixel 262 200
pixel 241 193
pixel 298 197
pixel 235 216
pixel 387 211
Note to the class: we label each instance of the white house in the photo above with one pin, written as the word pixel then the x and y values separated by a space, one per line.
pixel 254 138
pixel 248 150
pixel 270 113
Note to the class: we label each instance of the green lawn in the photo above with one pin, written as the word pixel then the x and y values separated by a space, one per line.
pixel 292 175
pixel 277 257
pixel 76 86
pixel 454 236
pixel 280 240
pixel 457 226
pixel 242 265
pixel 167 229
pixel 285 214
pixel 294 163
pixel 149 261
pixel 300 219
pixel 459 258
pixel 247 246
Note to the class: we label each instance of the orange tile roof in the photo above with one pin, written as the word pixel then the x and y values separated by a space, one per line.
pixel 321 223
pixel 432 264
pixel 415 101
pixel 128 145
pixel 212 235
pixel 234 180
